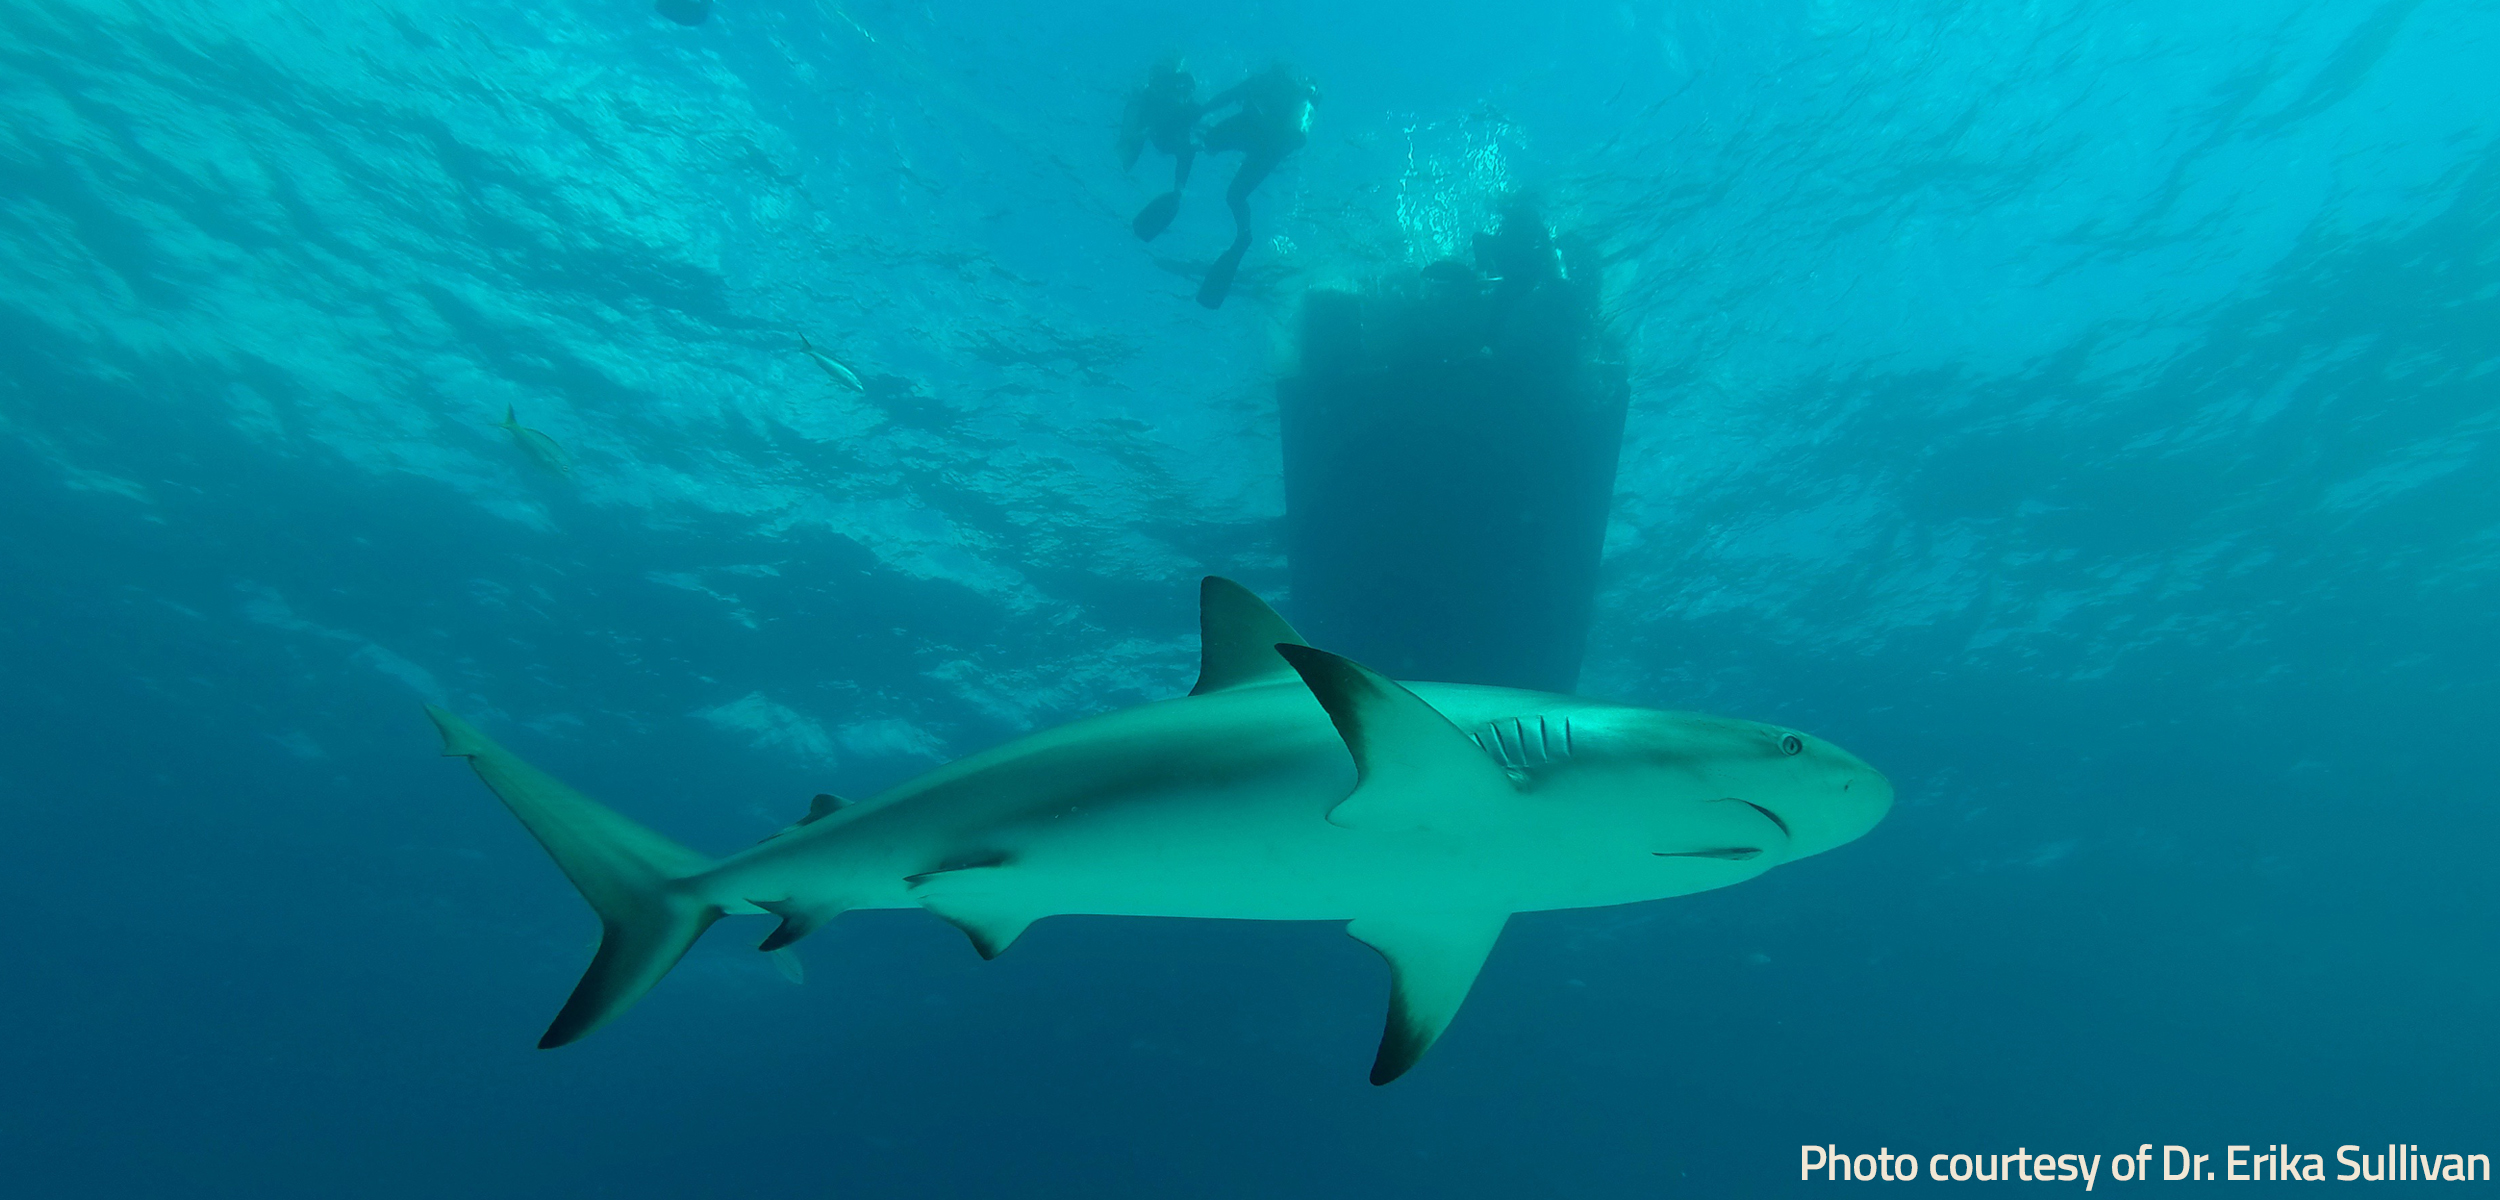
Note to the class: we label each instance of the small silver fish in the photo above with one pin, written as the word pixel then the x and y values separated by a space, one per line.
pixel 840 372
pixel 542 449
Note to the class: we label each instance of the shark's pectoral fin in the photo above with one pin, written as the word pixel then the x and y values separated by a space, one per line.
pixel 1237 637
pixel 1413 769
pixel 972 899
pixel 797 920
pixel 1433 960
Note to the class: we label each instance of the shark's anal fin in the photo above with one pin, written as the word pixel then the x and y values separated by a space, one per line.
pixel 975 898
pixel 797 920
pixel 1237 638
pixel 1433 960
pixel 1413 769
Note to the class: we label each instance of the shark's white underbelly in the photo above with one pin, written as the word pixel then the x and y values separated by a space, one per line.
pixel 1243 836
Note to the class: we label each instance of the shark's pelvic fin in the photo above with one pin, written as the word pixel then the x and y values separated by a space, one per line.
pixel 787 962
pixel 1237 638
pixel 1433 960
pixel 1413 769
pixel 629 875
pixel 971 899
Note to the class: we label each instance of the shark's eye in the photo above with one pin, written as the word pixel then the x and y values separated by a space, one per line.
pixel 1792 744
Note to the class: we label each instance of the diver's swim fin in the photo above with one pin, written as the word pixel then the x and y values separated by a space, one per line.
pixel 1157 216
pixel 1220 275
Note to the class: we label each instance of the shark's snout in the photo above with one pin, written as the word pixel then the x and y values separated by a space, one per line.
pixel 1833 798
pixel 1855 800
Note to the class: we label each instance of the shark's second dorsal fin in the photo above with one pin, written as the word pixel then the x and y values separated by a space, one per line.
pixel 821 807
pixel 1237 638
pixel 824 805
pixel 1412 768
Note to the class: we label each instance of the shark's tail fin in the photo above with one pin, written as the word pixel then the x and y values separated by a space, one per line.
pixel 631 876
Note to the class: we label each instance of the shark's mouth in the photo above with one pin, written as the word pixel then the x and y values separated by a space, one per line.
pixel 1775 817
pixel 1731 853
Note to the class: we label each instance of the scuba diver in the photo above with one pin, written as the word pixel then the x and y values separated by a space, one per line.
pixel 1273 120
pixel 1165 113
pixel 1520 257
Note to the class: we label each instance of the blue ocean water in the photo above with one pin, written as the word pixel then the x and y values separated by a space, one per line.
pixel 2085 412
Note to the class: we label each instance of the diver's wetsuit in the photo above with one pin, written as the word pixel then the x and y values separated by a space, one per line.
pixel 1163 113
pixel 1520 257
pixel 1274 120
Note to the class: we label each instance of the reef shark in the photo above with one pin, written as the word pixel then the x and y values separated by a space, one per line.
pixel 1290 784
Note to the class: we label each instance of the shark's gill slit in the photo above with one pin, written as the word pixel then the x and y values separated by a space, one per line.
pixel 1729 853
pixel 1506 739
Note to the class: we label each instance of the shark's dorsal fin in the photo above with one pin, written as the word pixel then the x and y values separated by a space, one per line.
pixel 1237 638
pixel 1413 769
pixel 1433 960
